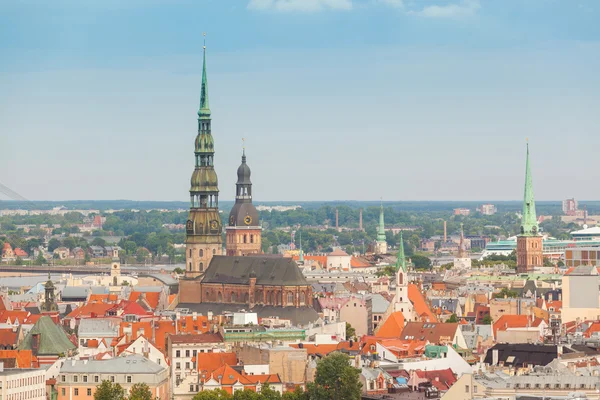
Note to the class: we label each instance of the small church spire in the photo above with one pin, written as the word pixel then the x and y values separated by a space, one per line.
pixel 401 263
pixel 381 228
pixel 204 110
pixel 529 226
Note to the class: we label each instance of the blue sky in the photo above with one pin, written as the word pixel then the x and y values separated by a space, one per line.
pixel 337 99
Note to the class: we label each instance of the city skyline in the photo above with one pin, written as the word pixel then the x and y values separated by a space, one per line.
pixel 440 94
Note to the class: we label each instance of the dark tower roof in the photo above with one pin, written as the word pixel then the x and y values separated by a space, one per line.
pixel 243 212
pixel 243 172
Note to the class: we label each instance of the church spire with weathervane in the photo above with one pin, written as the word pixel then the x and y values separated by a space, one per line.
pixel 401 263
pixel 380 243
pixel 529 225
pixel 203 227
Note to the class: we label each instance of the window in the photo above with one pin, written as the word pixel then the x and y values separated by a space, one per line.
pixel 233 297
pixel 191 388
pixel 187 353
pixel 194 353
pixel 89 392
pixel 128 378
pixel 178 353
pixel 76 392
pixel 75 378
pixel 201 253
pixel 187 365
pixel 474 389
pixel 178 365
pixel 63 378
pixel 85 378
pixel 290 298
pixel 63 392
pixel 467 389
pixel 96 379
pixel 112 378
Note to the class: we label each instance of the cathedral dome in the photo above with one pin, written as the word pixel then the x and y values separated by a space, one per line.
pixel 243 214
pixel 243 173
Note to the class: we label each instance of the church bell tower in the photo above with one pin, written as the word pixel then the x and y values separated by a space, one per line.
pixel 203 227
pixel 529 242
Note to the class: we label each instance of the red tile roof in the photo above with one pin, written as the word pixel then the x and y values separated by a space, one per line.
pixel 8 337
pixel 515 321
pixel 24 358
pixel 392 326
pixel 208 362
pixel 419 304
pixel 436 333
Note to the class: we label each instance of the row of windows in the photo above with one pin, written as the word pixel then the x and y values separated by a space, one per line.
pixel 19 382
pixel 201 252
pixel 245 238
pixel 84 378
pixel 29 394
pixel 271 297
pixel 549 385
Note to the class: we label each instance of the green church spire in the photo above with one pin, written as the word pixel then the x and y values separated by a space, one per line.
pixel 401 263
pixel 529 226
pixel 204 111
pixel 381 228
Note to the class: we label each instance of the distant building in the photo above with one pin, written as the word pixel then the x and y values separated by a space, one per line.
pixel 580 294
pixel 570 207
pixel 462 211
pixel 487 209
pixel 22 383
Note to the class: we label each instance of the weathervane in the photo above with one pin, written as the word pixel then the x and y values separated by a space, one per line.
pixel 204 34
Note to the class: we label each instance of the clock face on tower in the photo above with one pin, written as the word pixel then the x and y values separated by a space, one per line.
pixel 214 226
pixel 248 220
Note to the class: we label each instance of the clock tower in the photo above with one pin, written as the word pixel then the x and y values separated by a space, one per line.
pixel 243 230
pixel 203 226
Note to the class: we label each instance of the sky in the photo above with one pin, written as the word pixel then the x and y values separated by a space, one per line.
pixel 336 99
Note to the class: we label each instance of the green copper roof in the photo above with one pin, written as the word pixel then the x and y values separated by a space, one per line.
pixel 381 228
pixel 53 339
pixel 401 263
pixel 204 111
pixel 529 226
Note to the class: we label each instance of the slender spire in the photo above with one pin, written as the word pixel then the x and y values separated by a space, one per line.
pixel 204 110
pixel 461 247
pixel 529 226
pixel 381 228
pixel 243 150
pixel 401 263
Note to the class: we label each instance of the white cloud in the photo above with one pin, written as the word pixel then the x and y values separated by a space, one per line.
pixel 465 8
pixel 393 3
pixel 300 5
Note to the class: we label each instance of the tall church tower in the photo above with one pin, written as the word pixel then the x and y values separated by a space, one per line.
pixel 380 243
pixel 529 241
pixel 244 231
pixel 203 227
pixel 401 301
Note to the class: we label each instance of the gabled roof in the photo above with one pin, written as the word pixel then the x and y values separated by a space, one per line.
pixel 209 362
pixel 8 337
pixel 151 298
pixel 278 271
pixel 419 304
pixel 442 379
pixel 23 358
pixel 94 309
pixel 392 327
pixel 53 339
pixel 506 322
pixel 431 332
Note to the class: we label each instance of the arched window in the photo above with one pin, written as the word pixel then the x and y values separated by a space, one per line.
pixel 190 265
pixel 219 297
pixel 245 238
pixel 251 238
pixel 207 296
pixel 290 298
pixel 233 297
pixel 214 251
pixel 302 298
pixel 401 278
pixel 246 298
pixel 115 281
pixel 201 266
pixel 201 253
pixel 258 296
pixel 278 302
pixel 190 252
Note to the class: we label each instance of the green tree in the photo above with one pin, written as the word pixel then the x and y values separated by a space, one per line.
pixel 40 260
pixel 70 243
pixel 350 331
pixel 98 242
pixel 388 270
pixel 140 391
pixel 487 320
pixel 179 271
pixel 217 394
pixel 53 244
pixel 19 261
pixel 505 293
pixel 421 262
pixel 336 379
pixel 297 394
pixel 109 391
pixel 453 318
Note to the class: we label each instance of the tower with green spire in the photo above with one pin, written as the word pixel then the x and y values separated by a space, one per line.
pixel 529 241
pixel 380 243
pixel 203 227
pixel 401 263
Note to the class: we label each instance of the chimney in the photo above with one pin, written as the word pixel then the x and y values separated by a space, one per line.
pixel 360 220
pixel 445 233
pixel 209 314
pixel 194 316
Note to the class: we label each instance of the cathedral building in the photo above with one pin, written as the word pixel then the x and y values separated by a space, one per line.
pixel 529 241
pixel 243 279
pixel 244 231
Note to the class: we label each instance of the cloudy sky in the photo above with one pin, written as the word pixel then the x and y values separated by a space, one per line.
pixel 337 99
